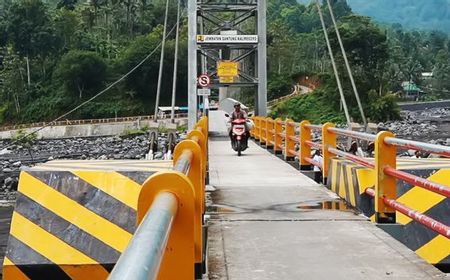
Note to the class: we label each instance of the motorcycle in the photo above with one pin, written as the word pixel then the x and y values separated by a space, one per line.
pixel 239 136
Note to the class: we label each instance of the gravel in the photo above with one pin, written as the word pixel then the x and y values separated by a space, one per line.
pixel 431 125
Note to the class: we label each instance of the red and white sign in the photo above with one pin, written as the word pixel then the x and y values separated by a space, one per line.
pixel 204 80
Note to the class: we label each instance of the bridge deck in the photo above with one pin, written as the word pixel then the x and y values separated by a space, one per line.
pixel 267 222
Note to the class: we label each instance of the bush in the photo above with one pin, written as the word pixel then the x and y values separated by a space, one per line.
pixel 278 86
pixel 383 108
pixel 81 72
pixel 25 139
pixel 315 107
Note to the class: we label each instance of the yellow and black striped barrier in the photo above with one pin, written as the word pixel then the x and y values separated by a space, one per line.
pixel 70 224
pixel 350 180
pixel 73 219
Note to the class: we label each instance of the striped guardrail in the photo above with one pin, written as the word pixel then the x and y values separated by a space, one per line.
pixel 170 216
pixel 384 162
pixel 143 218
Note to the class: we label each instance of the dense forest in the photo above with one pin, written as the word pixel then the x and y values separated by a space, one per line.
pixel 55 54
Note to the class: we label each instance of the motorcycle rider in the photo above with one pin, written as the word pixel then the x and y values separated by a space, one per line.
pixel 238 113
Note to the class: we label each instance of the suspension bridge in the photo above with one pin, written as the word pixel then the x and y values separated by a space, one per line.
pixel 208 214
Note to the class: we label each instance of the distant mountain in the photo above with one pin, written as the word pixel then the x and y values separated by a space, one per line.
pixel 411 14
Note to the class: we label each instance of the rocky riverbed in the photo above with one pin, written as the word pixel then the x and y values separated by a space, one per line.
pixel 18 156
pixel 431 125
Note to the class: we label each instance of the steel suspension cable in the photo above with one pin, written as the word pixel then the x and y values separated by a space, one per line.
pixel 175 65
pixel 161 62
pixel 347 65
pixel 333 63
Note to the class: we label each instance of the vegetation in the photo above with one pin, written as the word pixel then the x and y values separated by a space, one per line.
pixel 26 140
pixel 381 58
pixel 55 54
pixel 131 132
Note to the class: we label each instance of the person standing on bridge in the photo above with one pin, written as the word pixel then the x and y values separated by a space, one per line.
pixel 317 171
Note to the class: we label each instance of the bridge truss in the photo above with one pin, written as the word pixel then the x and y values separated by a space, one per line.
pixel 227 31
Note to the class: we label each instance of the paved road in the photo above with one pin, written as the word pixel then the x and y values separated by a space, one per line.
pixel 269 223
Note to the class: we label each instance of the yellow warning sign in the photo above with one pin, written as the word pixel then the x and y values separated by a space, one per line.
pixel 226 68
pixel 226 80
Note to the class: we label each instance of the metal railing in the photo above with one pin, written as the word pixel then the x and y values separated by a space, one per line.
pixel 143 256
pixel 88 121
pixel 384 163
pixel 170 215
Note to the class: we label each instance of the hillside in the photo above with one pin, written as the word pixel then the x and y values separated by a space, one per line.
pixel 414 14
pixel 411 14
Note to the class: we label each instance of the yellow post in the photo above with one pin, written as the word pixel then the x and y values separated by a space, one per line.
pixel 196 178
pixel 305 150
pixel 269 133
pixel 258 128
pixel 289 144
pixel 263 131
pixel 255 128
pixel 202 140
pixel 385 155
pixel 328 140
pixel 203 124
pixel 196 171
pixel 181 247
pixel 252 131
pixel 278 139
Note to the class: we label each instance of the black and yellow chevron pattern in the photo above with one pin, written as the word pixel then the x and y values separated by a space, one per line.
pixel 350 180
pixel 426 243
pixel 73 220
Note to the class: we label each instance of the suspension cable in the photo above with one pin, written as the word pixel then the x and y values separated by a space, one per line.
pixel 161 62
pixel 175 65
pixel 333 63
pixel 93 97
pixel 347 65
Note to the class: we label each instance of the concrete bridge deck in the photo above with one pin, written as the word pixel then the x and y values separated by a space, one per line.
pixel 268 222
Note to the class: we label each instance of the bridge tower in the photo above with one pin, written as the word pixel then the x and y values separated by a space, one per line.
pixel 227 41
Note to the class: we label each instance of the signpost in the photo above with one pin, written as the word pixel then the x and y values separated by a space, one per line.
pixel 203 92
pixel 227 68
pixel 226 80
pixel 227 39
pixel 204 81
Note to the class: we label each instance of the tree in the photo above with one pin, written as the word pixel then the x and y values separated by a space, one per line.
pixel 67 25
pixel 278 85
pixel 13 84
pixel 367 51
pixel 81 72
pixel 67 4
pixel 30 31
pixel 3 33
pixel 441 74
